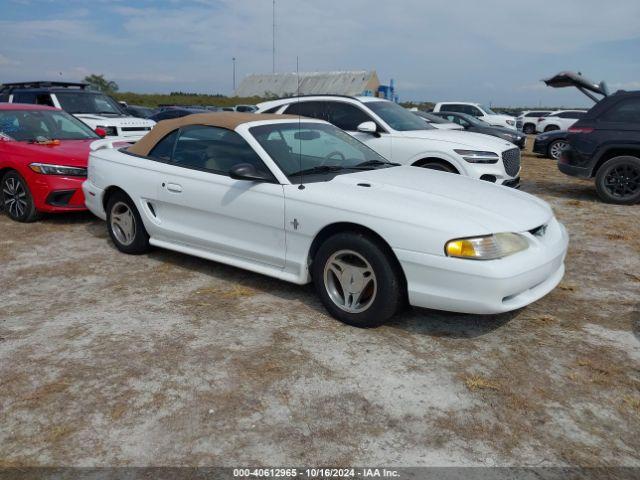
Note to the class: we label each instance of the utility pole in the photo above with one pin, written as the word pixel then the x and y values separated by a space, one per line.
pixel 234 73
pixel 274 38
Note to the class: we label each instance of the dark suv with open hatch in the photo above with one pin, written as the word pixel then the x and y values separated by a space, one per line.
pixel 605 145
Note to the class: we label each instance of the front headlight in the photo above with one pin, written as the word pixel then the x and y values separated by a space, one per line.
pixel 489 247
pixel 510 122
pixel 476 156
pixel 48 169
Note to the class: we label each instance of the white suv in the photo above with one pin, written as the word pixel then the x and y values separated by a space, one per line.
pixel 477 110
pixel 559 120
pixel 95 109
pixel 402 137
pixel 526 122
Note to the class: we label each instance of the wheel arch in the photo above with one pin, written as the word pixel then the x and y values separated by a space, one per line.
pixel 425 160
pixel 350 227
pixel 109 191
pixel 5 170
pixel 612 152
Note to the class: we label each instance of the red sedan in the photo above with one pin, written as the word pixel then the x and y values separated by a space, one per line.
pixel 43 160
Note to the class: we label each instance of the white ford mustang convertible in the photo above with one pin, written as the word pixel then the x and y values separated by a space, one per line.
pixel 301 200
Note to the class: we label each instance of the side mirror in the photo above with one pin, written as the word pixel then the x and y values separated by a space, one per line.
pixel 246 171
pixel 101 132
pixel 368 127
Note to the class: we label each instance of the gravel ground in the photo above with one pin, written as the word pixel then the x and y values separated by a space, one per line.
pixel 165 359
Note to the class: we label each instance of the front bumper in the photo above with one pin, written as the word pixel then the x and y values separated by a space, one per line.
pixel 487 287
pixel 55 193
pixel 540 147
pixel 94 199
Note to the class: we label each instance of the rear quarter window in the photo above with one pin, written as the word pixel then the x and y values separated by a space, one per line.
pixel 626 111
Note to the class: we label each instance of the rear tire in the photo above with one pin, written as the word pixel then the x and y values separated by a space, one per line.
pixel 618 180
pixel 125 225
pixel 551 128
pixel 357 281
pixel 555 148
pixel 17 200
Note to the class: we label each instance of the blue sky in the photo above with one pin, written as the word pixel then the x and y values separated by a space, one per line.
pixel 491 51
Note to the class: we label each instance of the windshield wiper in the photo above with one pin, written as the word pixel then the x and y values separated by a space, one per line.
pixel 318 169
pixel 375 163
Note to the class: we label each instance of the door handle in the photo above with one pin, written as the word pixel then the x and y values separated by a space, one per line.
pixel 174 187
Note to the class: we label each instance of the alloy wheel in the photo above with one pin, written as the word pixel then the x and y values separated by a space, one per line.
pixel 623 181
pixel 15 197
pixel 556 149
pixel 350 281
pixel 123 223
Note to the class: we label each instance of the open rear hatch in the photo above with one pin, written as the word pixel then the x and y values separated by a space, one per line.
pixel 572 79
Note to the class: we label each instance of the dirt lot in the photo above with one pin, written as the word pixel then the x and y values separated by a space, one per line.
pixel 164 359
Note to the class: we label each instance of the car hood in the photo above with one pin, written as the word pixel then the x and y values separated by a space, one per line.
pixel 438 201
pixel 459 138
pixel 73 153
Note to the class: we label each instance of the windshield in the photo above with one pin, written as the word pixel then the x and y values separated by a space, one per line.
pixel 398 118
pixel 315 147
pixel 34 125
pixel 76 102
pixel 487 110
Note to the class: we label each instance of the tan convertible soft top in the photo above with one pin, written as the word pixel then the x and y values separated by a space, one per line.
pixel 228 120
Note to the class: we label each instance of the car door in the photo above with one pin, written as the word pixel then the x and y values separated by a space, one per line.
pixel 201 206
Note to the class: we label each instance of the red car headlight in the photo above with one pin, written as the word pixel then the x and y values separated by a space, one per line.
pixel 48 169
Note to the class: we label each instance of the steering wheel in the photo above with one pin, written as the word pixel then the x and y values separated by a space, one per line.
pixel 335 153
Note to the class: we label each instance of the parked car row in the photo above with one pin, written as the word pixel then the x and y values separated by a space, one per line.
pixel 338 191
pixel 238 187
pixel 97 110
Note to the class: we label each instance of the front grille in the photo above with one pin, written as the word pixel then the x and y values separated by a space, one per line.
pixel 135 129
pixel 511 160
pixel 519 124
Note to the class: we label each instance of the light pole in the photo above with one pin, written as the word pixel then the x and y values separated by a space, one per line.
pixel 234 74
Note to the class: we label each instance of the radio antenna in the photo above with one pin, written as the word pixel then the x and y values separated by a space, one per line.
pixel 301 186
pixel 273 33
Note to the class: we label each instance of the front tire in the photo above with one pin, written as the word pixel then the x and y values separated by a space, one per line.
pixel 529 129
pixel 17 200
pixel 618 180
pixel 357 281
pixel 125 225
